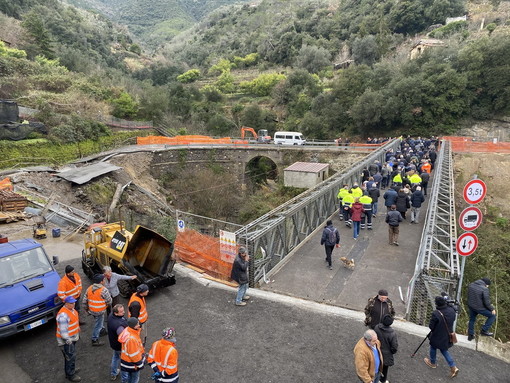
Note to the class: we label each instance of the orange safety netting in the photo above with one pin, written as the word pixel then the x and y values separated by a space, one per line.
pixel 203 251
pixel 467 145
pixel 181 140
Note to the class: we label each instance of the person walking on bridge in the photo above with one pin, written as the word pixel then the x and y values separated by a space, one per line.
pixel 393 219
pixel 356 213
pixel 330 238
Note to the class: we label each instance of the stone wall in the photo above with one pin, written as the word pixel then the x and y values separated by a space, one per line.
pixel 488 130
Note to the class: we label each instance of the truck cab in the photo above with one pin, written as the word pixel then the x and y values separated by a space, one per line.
pixel 28 287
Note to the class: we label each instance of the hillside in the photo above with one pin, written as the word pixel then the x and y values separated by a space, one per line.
pixel 269 65
pixel 156 21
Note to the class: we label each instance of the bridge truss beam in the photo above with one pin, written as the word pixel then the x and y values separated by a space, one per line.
pixel 437 265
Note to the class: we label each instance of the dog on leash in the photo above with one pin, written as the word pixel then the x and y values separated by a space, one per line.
pixel 348 264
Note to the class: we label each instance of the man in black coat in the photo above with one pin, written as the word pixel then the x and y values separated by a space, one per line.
pixel 479 302
pixel 389 344
pixel 393 219
pixel 116 324
pixel 417 199
pixel 441 325
pixel 240 275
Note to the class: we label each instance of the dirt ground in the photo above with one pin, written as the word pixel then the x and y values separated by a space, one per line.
pixel 493 169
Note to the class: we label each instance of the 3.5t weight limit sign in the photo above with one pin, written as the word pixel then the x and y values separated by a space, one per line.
pixel 467 244
pixel 475 191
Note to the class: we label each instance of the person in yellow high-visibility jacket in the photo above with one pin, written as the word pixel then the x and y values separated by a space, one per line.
pixel 341 194
pixel 347 202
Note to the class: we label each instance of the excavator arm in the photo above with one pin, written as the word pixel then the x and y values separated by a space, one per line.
pixel 245 129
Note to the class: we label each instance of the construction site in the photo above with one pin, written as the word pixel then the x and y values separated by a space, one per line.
pixel 302 319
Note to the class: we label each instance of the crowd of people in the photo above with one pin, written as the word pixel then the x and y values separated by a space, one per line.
pixel 127 336
pixel 402 181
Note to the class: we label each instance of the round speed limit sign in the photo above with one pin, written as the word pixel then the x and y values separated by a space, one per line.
pixel 475 191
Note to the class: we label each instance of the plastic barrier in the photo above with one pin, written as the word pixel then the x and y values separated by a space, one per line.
pixel 6 184
pixel 468 145
pixel 206 256
pixel 182 140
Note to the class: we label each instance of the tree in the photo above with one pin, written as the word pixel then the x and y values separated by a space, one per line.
pixel 313 58
pixel 35 27
pixel 365 50
pixel 124 106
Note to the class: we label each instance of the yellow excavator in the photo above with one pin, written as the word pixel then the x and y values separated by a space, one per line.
pixel 143 253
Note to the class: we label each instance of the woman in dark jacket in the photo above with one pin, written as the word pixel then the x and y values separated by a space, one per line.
pixel 402 203
pixel 441 325
pixel 389 344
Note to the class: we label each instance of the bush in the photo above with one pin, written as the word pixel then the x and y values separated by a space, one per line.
pixel 190 76
pixel 263 84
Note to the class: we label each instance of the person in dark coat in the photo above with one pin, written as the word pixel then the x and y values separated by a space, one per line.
pixel 239 274
pixel 479 303
pixel 374 193
pixel 417 199
pixel 441 325
pixel 116 324
pixel 390 198
pixel 389 344
pixel 393 219
pixel 330 239
pixel 402 203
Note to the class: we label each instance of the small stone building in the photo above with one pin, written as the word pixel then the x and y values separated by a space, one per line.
pixel 305 174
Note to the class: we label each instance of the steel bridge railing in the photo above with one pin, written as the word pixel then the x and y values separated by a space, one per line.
pixel 437 265
pixel 273 236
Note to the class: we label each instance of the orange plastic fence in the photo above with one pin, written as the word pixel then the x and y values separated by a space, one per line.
pixel 181 140
pixel 6 184
pixel 468 145
pixel 203 251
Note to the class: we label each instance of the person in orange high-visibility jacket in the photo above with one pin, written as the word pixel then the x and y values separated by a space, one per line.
pixel 68 333
pixel 163 358
pixel 70 286
pixel 96 300
pixel 132 356
pixel 426 167
pixel 136 306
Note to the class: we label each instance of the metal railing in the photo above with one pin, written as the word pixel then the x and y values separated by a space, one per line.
pixel 273 236
pixel 437 267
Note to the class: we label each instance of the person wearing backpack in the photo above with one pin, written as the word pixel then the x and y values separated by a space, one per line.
pixel 330 239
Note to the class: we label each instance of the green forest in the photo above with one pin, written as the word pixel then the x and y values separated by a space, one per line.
pixel 269 65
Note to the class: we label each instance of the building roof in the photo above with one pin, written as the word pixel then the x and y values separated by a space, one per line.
pixel 307 167
pixel 85 173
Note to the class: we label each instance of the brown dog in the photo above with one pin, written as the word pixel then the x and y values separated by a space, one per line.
pixel 348 264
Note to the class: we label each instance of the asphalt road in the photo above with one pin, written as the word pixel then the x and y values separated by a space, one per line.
pixel 272 339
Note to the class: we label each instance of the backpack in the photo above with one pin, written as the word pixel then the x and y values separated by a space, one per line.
pixel 332 236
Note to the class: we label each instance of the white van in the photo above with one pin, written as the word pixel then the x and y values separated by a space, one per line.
pixel 289 138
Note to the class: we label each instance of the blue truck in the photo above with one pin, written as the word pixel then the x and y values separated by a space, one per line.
pixel 28 286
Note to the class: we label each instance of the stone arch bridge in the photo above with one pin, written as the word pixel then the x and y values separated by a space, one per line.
pixel 236 159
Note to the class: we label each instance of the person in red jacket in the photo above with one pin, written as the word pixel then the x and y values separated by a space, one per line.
pixel 356 213
pixel 163 358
